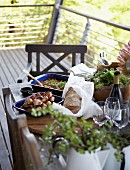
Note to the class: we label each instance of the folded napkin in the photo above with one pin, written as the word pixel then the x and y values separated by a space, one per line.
pixel 85 90
pixel 82 70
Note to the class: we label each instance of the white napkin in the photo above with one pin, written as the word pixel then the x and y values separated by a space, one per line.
pixel 82 70
pixel 126 151
pixel 85 90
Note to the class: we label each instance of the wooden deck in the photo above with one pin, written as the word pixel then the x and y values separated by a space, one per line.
pixel 12 61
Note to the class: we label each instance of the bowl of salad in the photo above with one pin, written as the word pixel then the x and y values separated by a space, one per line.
pixel 50 82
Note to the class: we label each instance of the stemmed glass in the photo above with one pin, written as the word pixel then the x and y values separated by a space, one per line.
pixel 111 110
pixel 122 117
pixel 112 107
pixel 100 118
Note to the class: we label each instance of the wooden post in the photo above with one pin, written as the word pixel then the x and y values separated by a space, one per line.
pixel 54 22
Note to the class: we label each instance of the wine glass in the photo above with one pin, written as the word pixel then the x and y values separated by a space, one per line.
pixel 112 107
pixel 122 117
pixel 99 117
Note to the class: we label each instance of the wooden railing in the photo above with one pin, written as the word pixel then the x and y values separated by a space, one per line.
pixel 58 24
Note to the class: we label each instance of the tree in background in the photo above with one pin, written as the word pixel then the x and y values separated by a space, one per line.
pixel 116 11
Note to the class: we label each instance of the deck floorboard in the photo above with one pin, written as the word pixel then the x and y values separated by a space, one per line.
pixel 11 65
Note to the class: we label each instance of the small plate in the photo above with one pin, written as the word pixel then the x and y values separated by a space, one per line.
pixel 37 88
pixel 18 104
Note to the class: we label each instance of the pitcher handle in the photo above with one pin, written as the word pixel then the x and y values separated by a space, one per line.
pixel 58 155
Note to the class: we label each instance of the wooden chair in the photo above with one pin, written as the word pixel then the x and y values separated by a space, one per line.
pixel 52 58
pixel 26 155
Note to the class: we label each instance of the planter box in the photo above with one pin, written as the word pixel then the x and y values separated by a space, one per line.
pixel 103 93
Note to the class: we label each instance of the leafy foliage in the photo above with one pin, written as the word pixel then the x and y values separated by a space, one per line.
pixel 100 36
pixel 54 83
pixel 81 134
pixel 105 77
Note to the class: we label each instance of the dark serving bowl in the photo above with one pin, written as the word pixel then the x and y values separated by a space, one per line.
pixel 18 104
pixel 26 91
pixel 44 77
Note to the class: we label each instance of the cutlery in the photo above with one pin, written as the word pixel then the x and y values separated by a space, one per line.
pixel 25 71
pixel 104 61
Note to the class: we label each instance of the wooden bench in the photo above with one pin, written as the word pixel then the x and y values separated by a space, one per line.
pixel 24 146
pixel 5 163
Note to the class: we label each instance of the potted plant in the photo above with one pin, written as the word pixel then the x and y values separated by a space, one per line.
pixel 103 81
pixel 81 137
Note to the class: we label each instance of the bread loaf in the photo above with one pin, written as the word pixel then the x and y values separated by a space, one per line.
pixel 72 101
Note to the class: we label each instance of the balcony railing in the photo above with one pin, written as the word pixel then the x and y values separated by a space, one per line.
pixel 96 33
pixel 27 24
pixel 58 24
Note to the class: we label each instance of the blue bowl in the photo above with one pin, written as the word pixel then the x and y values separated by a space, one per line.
pixel 18 104
pixel 44 77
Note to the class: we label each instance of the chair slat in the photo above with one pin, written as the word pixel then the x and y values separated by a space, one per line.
pixel 60 56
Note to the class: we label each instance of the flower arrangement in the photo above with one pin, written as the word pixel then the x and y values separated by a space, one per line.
pixel 124 59
pixel 105 77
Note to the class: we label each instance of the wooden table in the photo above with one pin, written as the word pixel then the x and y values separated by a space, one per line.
pixel 36 125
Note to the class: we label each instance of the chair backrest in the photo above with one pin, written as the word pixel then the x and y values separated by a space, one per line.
pixel 26 155
pixel 52 58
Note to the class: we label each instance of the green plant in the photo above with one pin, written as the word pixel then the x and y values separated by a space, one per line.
pixel 54 83
pixel 80 134
pixel 105 77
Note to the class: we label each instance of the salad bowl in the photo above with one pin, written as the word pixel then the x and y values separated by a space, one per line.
pixel 51 82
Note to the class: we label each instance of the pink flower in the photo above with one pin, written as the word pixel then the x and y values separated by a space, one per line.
pixel 124 56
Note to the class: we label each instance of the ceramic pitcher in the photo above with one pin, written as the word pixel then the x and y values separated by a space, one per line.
pixel 87 161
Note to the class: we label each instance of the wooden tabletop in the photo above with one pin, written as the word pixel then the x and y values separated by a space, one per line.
pixel 35 124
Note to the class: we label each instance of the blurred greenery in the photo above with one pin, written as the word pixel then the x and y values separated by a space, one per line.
pixel 117 11
pixel 79 134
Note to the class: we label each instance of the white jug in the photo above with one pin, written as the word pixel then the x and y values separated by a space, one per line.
pixel 87 161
